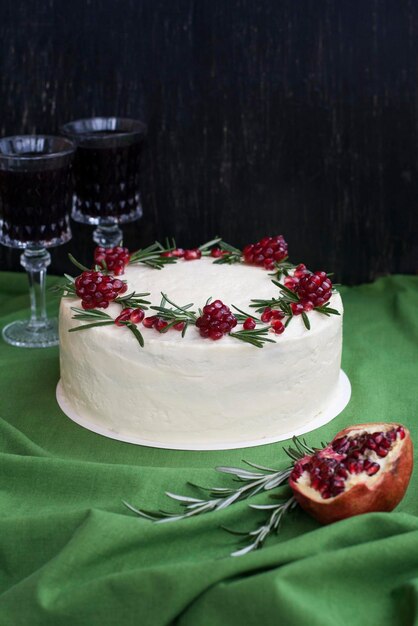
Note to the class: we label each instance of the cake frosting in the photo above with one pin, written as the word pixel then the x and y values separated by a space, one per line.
pixel 190 391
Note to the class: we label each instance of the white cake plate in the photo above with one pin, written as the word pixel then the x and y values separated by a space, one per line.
pixel 338 403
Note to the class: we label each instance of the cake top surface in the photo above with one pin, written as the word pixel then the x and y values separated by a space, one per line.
pixel 194 282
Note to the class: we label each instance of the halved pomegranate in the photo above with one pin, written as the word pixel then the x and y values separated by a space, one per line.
pixel 365 468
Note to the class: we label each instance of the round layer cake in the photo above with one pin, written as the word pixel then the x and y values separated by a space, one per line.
pixel 191 391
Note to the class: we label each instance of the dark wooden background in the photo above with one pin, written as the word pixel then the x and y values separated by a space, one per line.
pixel 265 117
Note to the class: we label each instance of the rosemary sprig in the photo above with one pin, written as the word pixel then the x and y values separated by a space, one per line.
pixel 67 289
pixel 176 314
pixel 257 337
pixel 326 310
pixel 133 300
pixel 257 480
pixel 282 268
pixel 96 317
pixel 219 497
pixel 260 304
pixel 100 318
pixel 233 255
pixel 151 256
pixel 242 315
pixel 205 247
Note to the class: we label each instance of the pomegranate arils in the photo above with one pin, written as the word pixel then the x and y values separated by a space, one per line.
pixel 192 255
pixel 314 288
pixel 177 252
pixel 97 290
pixel 160 324
pixel 330 468
pixel 123 317
pixel 136 316
pixel 216 320
pixel 249 324
pixel 114 259
pixel 266 252
pixel 179 326
pixel 149 322
pixel 278 326
pixel 266 315
pixel 297 308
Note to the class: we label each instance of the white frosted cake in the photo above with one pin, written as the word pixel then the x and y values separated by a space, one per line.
pixel 191 391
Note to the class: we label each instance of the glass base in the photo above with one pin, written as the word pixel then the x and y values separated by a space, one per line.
pixel 23 335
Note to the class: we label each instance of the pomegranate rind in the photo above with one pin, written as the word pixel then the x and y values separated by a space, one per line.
pixel 384 494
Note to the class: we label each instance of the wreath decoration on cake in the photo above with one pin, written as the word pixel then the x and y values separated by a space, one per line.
pixel 300 292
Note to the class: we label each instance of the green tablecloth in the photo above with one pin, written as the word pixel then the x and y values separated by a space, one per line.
pixel 71 554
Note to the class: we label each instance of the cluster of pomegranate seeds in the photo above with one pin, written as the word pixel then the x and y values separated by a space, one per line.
pixel 314 289
pixel 266 252
pixel 115 259
pixel 216 321
pixel 291 281
pixel 135 316
pixel 330 468
pixel 96 290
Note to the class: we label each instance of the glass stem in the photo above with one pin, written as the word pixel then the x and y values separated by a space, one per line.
pixel 35 261
pixel 108 236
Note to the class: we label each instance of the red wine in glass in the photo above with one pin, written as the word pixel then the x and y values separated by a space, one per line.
pixel 35 204
pixel 107 174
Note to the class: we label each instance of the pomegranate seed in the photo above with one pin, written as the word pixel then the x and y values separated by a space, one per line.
pixel 137 316
pixel 167 254
pixel 278 326
pixel 179 326
pixel 382 452
pixel 290 282
pixel 178 252
pixel 373 469
pixel 123 317
pixel 401 432
pixel 297 308
pixel 216 253
pixel 192 255
pixel 160 324
pixel 266 314
pixel 277 315
pixel 149 322
pixel 249 324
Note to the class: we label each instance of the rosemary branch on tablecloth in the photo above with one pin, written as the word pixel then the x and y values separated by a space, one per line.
pixel 253 483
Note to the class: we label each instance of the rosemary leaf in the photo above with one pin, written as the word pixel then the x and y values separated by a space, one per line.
pixel 86 326
pixel 81 267
pixel 288 292
pixel 137 334
pixel 306 321
pixel 209 244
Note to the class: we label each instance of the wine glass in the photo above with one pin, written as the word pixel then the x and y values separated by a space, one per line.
pixel 106 174
pixel 35 204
